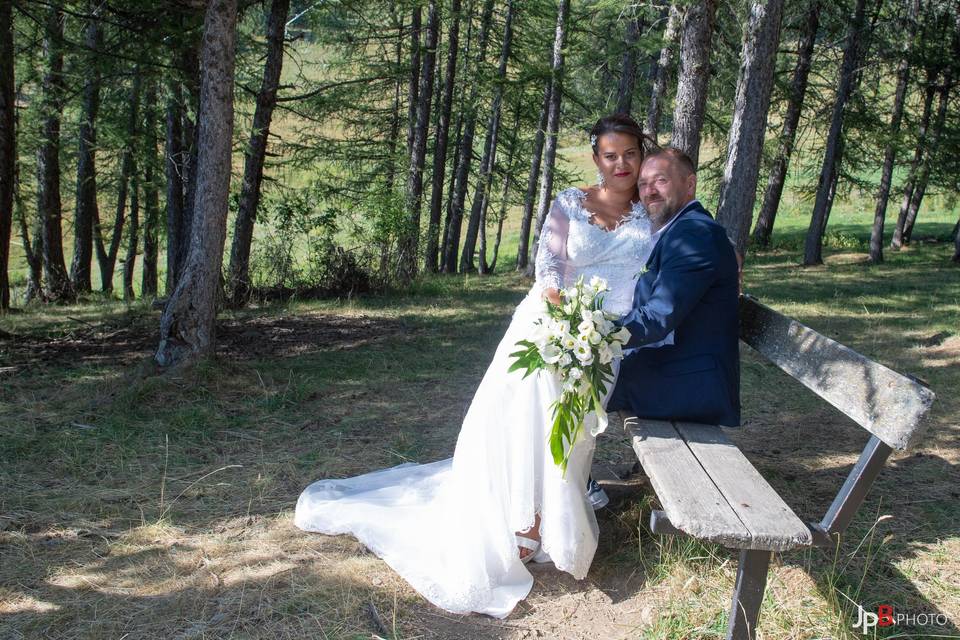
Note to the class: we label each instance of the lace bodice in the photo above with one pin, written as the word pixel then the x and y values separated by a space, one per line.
pixel 571 246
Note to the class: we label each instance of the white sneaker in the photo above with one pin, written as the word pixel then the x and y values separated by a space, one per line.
pixel 596 495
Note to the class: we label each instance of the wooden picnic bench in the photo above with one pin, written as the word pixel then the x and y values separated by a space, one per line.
pixel 709 490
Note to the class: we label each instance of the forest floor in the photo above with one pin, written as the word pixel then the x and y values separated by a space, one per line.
pixel 138 505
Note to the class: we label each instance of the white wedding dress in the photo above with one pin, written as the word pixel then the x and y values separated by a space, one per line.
pixel 448 527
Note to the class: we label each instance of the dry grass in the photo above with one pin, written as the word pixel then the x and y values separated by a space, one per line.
pixel 145 506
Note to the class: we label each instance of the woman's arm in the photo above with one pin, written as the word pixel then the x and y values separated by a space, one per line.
pixel 551 259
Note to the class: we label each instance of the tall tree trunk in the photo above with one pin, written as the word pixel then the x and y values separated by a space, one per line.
pixel 48 160
pixel 813 246
pixel 409 244
pixel 890 154
pixel 133 237
pixel 177 235
pixel 394 120
pixel 694 77
pixel 8 146
pixel 922 179
pixel 414 87
pixel 445 237
pixel 440 145
pixel 151 197
pixel 628 62
pixel 489 150
pixel 533 180
pixel 798 89
pixel 461 112
pixel 239 272
pixel 190 67
pixel 664 70
pixel 32 249
pixel 392 140
pixel 107 256
pixel 738 191
pixel 187 325
pixel 553 127
pixel 462 173
pixel 929 93
pixel 85 211
pixel 504 191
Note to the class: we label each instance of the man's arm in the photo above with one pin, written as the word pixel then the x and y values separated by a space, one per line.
pixel 688 268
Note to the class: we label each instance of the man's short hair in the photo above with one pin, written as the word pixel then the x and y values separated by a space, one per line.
pixel 678 157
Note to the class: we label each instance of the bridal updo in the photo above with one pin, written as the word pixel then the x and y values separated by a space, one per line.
pixel 620 123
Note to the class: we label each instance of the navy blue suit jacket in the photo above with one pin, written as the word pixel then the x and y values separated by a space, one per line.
pixel 690 286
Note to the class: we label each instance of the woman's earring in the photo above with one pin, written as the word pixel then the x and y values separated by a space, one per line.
pixel 600 178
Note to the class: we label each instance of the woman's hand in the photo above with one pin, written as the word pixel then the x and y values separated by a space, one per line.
pixel 552 295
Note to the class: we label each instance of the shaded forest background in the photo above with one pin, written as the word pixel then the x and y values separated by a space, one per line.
pixel 209 154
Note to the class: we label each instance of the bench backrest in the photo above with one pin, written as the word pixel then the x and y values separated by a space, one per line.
pixel 889 405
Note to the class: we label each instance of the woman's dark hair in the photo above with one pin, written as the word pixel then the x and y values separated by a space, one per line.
pixel 620 123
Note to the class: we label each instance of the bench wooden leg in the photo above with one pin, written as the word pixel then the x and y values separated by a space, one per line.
pixel 748 594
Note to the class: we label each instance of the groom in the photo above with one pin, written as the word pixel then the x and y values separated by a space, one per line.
pixel 685 307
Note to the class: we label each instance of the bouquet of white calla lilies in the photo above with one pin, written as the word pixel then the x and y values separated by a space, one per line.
pixel 575 341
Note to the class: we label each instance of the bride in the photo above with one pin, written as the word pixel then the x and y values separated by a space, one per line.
pixel 461 530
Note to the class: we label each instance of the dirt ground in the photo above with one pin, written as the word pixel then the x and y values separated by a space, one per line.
pixel 88 554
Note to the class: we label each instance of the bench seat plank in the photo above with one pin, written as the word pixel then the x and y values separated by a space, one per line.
pixel 771 522
pixel 689 497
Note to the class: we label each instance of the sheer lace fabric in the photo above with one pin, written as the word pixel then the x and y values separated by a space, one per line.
pixel 448 527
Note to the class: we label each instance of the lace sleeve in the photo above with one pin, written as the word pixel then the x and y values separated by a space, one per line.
pixel 552 248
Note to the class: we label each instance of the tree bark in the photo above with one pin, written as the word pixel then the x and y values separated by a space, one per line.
pixel 177 235
pixel 553 128
pixel 788 134
pixel 504 192
pixel 48 161
pixel 533 180
pixel 413 87
pixel 187 325
pixel 151 198
pixel 664 69
pixel 462 173
pixel 890 154
pixel 409 244
pixel 239 272
pixel 628 62
pixel 31 248
pixel 86 210
pixel 107 256
pixel 694 77
pixel 481 192
pixel 923 178
pixel 133 237
pixel 461 112
pixel 394 128
pixel 8 146
pixel 930 91
pixel 190 67
pixel 813 246
pixel 738 191
pixel 440 145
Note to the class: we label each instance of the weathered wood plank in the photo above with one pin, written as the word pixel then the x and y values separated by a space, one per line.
pixel 690 499
pixel 886 403
pixel 771 522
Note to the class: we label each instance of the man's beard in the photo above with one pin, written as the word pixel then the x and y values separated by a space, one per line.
pixel 666 213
